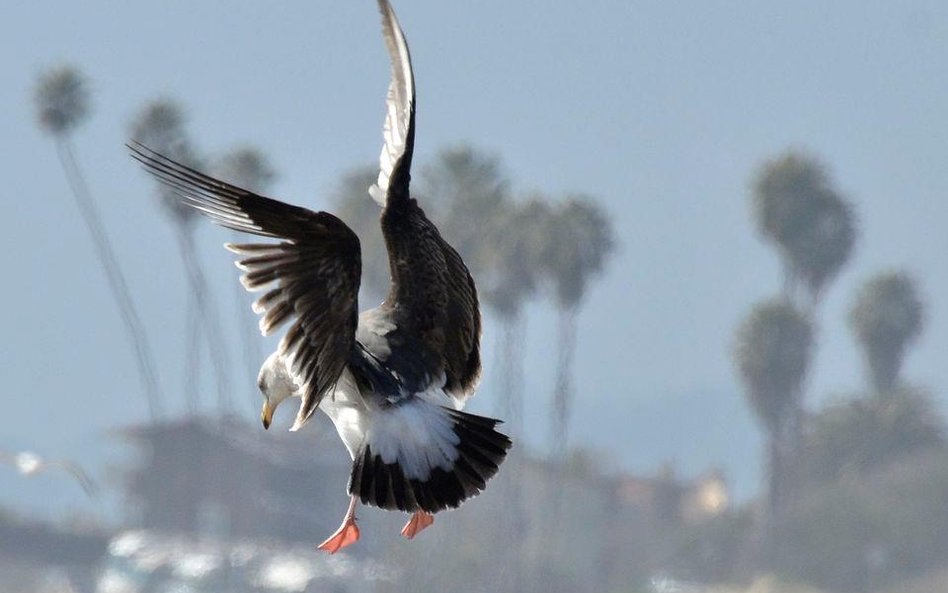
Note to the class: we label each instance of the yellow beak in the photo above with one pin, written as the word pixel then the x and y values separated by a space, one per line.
pixel 266 414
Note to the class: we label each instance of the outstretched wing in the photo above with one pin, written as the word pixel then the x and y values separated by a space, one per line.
pixel 399 127
pixel 31 464
pixel 312 275
pixel 432 294
pixel 85 482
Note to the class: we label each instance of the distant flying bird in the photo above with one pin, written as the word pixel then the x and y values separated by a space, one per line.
pixel 393 380
pixel 31 464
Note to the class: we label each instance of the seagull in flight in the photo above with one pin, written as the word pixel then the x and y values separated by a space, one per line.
pixel 393 379
pixel 30 464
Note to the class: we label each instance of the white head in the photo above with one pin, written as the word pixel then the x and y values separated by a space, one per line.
pixel 276 383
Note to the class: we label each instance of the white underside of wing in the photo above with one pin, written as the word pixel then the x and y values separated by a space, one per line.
pixel 401 96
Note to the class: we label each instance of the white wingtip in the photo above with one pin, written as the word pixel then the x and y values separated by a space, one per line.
pixel 250 286
pixel 399 104
pixel 298 424
pixel 265 329
pixel 376 192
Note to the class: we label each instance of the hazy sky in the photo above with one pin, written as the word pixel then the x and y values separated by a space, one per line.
pixel 660 109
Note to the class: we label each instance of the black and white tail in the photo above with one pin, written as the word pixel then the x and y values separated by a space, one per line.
pixel 422 456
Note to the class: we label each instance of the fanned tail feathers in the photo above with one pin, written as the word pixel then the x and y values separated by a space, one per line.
pixel 455 465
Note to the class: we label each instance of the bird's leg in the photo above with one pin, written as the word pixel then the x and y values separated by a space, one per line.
pixel 348 532
pixel 418 521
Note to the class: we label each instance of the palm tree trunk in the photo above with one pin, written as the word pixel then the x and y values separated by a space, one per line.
pixel 253 353
pixel 116 279
pixel 884 361
pixel 510 351
pixel 771 510
pixel 207 316
pixel 192 354
pixel 774 478
pixel 791 288
pixel 563 390
pixel 784 449
pixel 511 371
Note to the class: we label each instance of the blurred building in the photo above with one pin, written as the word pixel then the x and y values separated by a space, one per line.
pixel 226 479
pixel 672 501
pixel 570 526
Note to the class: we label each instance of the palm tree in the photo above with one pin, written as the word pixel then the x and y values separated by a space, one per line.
pixel 813 227
pixel 468 189
pixel 513 244
pixel 62 103
pixel 249 168
pixel 824 246
pixel 352 204
pixel 161 126
pixel 492 233
pixel 578 241
pixel 886 317
pixel 498 240
pixel 772 353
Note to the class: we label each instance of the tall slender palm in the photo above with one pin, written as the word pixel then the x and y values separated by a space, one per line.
pixel 470 191
pixel 249 168
pixel 772 353
pixel 351 202
pixel 886 317
pixel 813 227
pixel 161 126
pixel 467 188
pixel 475 212
pixel 814 230
pixel 62 104
pixel 513 244
pixel 578 242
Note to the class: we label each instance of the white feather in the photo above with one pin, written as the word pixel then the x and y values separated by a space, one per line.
pixel 417 433
pixel 399 102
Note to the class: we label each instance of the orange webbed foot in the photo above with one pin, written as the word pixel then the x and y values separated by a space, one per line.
pixel 417 523
pixel 347 534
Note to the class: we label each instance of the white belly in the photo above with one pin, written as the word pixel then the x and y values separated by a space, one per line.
pixel 348 413
pixel 355 416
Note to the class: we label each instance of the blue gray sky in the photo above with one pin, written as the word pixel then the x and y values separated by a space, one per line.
pixel 661 110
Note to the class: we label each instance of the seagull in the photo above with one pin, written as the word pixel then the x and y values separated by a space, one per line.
pixel 30 464
pixel 393 379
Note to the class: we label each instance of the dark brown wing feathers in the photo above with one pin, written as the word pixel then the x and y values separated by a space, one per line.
pixel 432 293
pixel 316 270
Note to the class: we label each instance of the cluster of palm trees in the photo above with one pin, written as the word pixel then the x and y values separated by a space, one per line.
pixel 894 417
pixel 516 248
pixel 62 103
pixel 813 229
